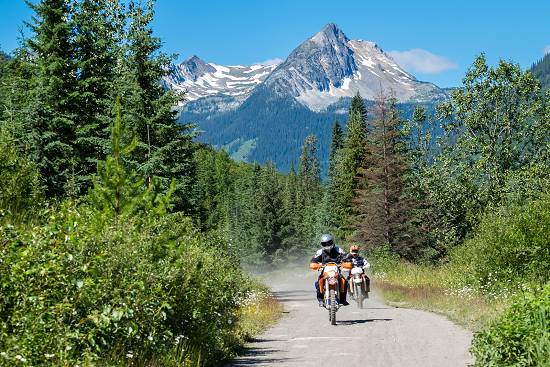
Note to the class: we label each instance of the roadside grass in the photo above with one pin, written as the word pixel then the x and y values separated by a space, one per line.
pixel 435 289
pixel 259 311
pixel 472 312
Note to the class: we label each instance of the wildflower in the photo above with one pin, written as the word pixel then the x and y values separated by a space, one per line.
pixel 20 358
pixel 130 354
pixel 68 347
pixel 3 354
pixel 150 338
pixel 47 355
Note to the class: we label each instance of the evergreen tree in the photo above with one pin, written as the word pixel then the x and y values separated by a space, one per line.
pixel 336 144
pixel 292 235
pixel 310 173
pixel 96 48
pixel 382 212
pixel 165 149
pixel 52 110
pixel 270 215
pixel 346 163
pixel 117 191
pixel 309 203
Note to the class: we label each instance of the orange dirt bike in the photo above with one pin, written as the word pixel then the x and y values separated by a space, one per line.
pixel 331 282
pixel 359 286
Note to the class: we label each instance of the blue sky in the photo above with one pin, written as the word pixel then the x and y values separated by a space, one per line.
pixel 435 40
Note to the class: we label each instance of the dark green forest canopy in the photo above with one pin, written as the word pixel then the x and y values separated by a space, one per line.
pixel 541 70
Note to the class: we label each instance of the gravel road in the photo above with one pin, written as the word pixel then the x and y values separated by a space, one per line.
pixel 376 336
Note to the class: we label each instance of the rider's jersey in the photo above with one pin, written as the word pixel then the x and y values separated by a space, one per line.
pixel 357 261
pixel 335 255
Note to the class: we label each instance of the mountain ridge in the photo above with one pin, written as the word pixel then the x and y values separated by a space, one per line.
pixel 302 95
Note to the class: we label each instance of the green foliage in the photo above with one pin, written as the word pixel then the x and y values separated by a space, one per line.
pixel 117 281
pixel 497 125
pixel 520 337
pixel 75 292
pixel 510 249
pixel 336 144
pixel 345 165
pixel 21 191
pixel 52 103
pixel 164 148
pixel 118 192
pixel 541 70
pixel 96 49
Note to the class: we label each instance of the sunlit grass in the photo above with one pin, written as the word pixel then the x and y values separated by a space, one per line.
pixel 258 313
pixel 436 289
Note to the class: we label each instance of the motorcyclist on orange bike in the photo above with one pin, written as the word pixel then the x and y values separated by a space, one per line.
pixel 329 253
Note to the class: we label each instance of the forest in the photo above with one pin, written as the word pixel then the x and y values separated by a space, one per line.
pixel 123 238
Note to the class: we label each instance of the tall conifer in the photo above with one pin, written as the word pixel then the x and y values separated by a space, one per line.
pixel 54 86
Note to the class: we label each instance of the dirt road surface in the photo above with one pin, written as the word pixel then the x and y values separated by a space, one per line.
pixel 376 336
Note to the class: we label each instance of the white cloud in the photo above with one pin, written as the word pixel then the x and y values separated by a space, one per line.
pixel 422 61
pixel 270 62
pixel 547 50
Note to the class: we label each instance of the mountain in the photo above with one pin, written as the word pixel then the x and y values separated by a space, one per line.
pixel 329 66
pixel 264 112
pixel 200 79
pixel 541 70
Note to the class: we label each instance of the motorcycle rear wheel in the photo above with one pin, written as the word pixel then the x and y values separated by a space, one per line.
pixel 358 295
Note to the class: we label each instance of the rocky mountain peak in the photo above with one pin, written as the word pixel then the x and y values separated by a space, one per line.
pixel 330 34
pixel 195 67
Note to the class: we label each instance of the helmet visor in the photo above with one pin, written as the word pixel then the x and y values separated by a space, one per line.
pixel 327 243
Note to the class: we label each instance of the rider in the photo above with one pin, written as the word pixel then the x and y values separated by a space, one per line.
pixel 329 253
pixel 359 262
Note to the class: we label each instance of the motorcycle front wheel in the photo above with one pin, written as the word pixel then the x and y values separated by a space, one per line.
pixel 332 310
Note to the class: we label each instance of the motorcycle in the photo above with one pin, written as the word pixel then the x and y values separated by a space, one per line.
pixel 359 285
pixel 331 282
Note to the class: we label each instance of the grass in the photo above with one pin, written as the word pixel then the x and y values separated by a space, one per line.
pixel 260 312
pixel 434 289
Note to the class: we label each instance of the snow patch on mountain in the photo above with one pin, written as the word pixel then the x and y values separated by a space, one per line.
pixel 199 79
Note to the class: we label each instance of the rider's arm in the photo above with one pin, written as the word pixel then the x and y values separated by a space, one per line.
pixel 317 258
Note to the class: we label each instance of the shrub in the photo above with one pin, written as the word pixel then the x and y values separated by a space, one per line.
pixel 520 337
pixel 117 281
pixel 510 250
pixel 74 294
pixel 20 190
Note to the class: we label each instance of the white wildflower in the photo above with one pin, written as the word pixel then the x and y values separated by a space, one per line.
pixel 48 355
pixel 20 358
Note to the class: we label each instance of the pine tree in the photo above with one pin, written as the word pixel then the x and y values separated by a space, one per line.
pixel 270 215
pixel 165 148
pixel 96 48
pixel 52 108
pixel 382 212
pixel 336 144
pixel 309 199
pixel 117 191
pixel 309 173
pixel 346 163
